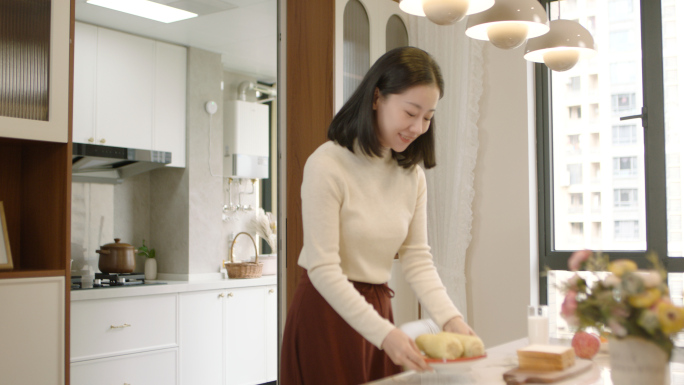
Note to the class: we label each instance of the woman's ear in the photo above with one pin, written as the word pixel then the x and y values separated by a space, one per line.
pixel 376 96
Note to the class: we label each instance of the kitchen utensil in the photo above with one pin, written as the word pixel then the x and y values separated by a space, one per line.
pixel 244 269
pixel 458 365
pixel 116 257
pixel 518 376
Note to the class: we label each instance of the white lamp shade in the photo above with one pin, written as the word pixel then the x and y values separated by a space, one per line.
pixel 509 23
pixel 445 12
pixel 567 41
pixel 412 7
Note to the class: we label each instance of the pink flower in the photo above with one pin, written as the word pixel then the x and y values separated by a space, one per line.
pixel 616 328
pixel 569 308
pixel 577 258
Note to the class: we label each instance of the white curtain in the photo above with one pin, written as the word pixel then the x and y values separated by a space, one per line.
pixel 450 184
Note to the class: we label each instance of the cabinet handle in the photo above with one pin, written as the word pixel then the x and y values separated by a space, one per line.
pixel 230 294
pixel 271 291
pixel 119 326
pixel 222 295
pixel 91 140
pixel 102 140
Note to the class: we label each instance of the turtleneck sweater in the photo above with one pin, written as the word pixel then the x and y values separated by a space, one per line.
pixel 358 212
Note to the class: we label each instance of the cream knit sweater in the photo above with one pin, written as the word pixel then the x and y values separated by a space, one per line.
pixel 358 212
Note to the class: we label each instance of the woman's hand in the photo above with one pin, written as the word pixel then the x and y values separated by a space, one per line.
pixel 403 351
pixel 458 325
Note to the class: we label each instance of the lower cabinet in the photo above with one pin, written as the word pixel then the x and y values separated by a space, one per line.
pixel 229 337
pixel 32 331
pixel 154 367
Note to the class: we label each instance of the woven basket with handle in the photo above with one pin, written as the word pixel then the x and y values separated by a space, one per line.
pixel 244 269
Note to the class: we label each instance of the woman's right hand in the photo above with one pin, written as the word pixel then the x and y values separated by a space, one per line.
pixel 403 351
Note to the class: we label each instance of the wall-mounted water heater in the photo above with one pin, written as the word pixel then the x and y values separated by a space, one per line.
pixel 245 138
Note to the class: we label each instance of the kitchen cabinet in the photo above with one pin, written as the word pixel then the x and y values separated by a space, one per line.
pixel 155 367
pixel 229 336
pixel 24 114
pixel 32 331
pixel 129 91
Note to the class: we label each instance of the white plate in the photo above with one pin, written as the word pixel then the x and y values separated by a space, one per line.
pixel 458 365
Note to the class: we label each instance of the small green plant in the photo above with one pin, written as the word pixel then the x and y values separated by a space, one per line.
pixel 147 252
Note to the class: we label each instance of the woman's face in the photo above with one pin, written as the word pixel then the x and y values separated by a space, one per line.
pixel 403 117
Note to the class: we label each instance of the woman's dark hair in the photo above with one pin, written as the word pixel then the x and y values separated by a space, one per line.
pixel 395 72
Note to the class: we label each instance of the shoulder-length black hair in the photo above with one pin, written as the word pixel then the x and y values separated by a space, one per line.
pixel 395 72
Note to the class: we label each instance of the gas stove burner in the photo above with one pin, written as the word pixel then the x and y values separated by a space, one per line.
pixel 119 279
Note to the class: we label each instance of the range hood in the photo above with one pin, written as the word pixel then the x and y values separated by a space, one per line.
pixel 93 163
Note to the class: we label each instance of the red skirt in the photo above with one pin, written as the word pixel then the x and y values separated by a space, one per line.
pixel 319 347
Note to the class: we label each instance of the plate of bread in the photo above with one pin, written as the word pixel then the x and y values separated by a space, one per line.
pixel 450 352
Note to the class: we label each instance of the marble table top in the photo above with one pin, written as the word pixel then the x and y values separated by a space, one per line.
pixel 503 358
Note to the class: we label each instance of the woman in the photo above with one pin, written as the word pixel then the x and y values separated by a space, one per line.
pixel 363 202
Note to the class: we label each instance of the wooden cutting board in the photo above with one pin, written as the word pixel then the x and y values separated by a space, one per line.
pixel 518 376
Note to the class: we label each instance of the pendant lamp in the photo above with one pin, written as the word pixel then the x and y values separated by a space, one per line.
pixel 412 7
pixel 562 47
pixel 509 23
pixel 444 12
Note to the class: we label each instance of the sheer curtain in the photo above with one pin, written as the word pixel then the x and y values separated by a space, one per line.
pixel 450 184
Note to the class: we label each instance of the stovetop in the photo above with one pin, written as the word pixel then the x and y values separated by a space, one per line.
pixel 106 280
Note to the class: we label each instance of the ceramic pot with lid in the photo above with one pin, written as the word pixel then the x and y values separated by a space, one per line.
pixel 117 257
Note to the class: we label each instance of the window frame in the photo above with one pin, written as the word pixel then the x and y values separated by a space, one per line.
pixel 654 154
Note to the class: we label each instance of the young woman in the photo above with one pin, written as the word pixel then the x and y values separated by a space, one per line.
pixel 363 202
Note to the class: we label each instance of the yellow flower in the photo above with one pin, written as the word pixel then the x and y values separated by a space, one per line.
pixel 645 299
pixel 622 266
pixel 671 317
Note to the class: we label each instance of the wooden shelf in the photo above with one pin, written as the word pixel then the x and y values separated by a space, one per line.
pixel 31 273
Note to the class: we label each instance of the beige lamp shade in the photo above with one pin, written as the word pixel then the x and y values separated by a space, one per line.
pixel 412 7
pixel 562 47
pixel 509 23
pixel 446 12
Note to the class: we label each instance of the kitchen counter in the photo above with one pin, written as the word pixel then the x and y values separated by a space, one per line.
pixel 169 287
pixel 502 358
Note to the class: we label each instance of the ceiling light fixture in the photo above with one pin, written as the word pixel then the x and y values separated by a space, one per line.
pixel 562 47
pixel 444 12
pixel 509 23
pixel 146 9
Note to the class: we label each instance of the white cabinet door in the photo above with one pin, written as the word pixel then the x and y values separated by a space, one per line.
pixel 32 331
pixel 125 89
pixel 155 367
pixel 271 333
pixel 85 65
pixel 244 324
pixel 201 337
pixel 168 132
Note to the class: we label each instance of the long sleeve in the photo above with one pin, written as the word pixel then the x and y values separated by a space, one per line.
pixel 417 264
pixel 322 198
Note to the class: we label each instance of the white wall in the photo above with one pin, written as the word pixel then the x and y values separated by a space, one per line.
pixel 498 259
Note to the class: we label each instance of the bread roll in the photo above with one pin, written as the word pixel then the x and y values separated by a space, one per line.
pixel 472 345
pixel 442 345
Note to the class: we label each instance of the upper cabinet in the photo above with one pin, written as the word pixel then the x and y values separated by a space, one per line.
pixel 129 91
pixel 35 40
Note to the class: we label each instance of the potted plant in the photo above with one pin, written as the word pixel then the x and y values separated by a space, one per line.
pixel 264 225
pixel 150 261
pixel 633 307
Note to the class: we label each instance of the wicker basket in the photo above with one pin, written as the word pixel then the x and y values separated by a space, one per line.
pixel 244 269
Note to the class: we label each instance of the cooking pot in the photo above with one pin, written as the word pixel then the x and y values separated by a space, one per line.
pixel 116 257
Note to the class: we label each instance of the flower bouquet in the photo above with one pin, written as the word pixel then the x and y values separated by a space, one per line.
pixel 625 302
pixel 264 225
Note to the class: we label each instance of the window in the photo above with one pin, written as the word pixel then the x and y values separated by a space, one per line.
pixel 628 153
pixel 573 144
pixel 575 172
pixel 625 197
pixel 576 202
pixel 626 229
pixel 625 166
pixel 574 83
pixel 624 134
pixel 356 46
pixel 575 112
pixel 623 102
pixel 395 33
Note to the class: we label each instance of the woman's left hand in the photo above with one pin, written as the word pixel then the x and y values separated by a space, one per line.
pixel 458 325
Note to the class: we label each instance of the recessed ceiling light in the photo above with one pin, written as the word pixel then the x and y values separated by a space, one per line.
pixel 146 9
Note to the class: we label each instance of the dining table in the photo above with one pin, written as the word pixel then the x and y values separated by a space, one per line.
pixel 503 358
